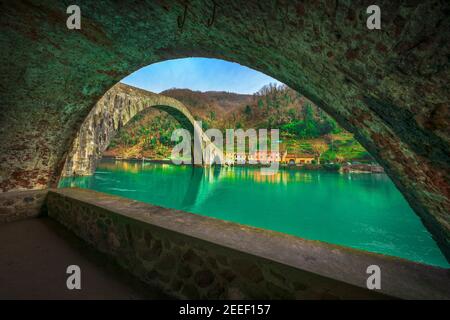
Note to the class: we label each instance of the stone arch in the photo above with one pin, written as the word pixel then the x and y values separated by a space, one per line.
pixel 112 112
pixel 389 87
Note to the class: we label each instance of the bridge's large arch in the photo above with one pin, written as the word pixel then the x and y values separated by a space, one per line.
pixel 389 87
pixel 112 112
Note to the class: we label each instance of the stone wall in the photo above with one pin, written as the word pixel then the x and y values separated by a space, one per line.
pixel 19 205
pixel 191 256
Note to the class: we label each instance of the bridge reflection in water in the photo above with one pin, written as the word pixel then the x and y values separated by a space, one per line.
pixel 363 211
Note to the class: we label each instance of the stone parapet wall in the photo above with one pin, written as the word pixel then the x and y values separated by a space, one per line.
pixel 20 205
pixel 191 256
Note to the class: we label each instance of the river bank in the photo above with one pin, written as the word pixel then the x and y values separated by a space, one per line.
pixel 337 167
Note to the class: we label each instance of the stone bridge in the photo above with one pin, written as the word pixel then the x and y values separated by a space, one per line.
pixel 113 111
pixel 389 87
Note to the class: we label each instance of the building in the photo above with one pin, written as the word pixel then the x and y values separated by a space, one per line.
pixel 295 159
pixel 230 158
pixel 264 157
pixel 240 158
pixel 252 158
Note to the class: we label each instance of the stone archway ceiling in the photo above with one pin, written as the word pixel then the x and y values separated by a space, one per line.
pixel 388 86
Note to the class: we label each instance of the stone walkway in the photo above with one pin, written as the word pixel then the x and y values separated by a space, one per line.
pixel 35 253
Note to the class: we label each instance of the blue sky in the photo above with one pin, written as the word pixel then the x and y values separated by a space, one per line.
pixel 200 74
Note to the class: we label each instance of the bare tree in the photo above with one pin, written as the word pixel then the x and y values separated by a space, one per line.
pixel 319 147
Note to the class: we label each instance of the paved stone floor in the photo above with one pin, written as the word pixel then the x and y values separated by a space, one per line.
pixel 35 253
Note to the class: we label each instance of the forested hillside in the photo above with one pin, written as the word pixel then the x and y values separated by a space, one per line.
pixel 304 128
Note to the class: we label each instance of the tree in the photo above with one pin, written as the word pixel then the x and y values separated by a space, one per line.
pixel 308 113
pixel 339 158
pixel 260 104
pixel 328 125
pixel 292 113
pixel 248 111
pixel 319 147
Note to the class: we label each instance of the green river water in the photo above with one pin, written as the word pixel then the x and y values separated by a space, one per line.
pixel 364 211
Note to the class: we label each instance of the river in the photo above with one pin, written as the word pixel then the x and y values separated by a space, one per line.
pixel 363 211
